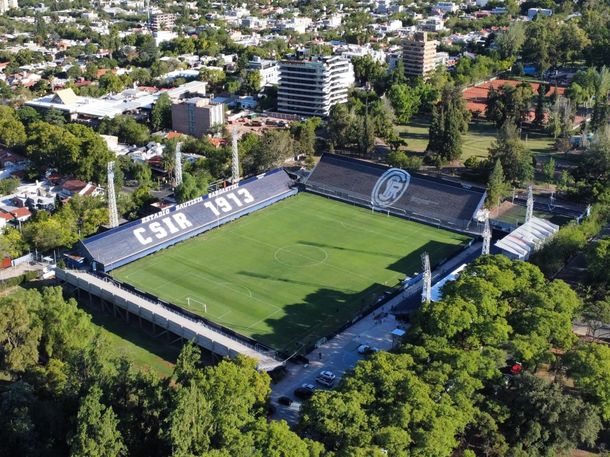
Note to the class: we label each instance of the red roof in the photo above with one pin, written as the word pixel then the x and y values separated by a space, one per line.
pixel 172 135
pixel 9 217
pixel 21 212
pixel 73 185
pixel 217 142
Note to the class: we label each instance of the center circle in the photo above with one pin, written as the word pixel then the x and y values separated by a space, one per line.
pixel 300 255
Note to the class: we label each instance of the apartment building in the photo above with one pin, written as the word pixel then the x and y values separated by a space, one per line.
pixel 163 21
pixel 268 69
pixel 196 116
pixel 311 87
pixel 419 54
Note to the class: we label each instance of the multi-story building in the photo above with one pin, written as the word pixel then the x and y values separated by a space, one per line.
pixel 163 21
pixel 268 69
pixel 197 116
pixel 6 5
pixel 311 87
pixel 419 54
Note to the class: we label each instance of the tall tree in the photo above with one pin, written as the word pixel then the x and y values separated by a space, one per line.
pixel 96 432
pixel 511 151
pixel 161 114
pixel 497 187
pixel 449 122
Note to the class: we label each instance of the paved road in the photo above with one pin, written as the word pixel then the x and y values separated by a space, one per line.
pixel 340 353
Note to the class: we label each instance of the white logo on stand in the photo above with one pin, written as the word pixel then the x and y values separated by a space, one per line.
pixel 390 187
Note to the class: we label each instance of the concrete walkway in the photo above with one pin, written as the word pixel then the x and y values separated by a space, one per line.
pixel 179 324
pixel 340 354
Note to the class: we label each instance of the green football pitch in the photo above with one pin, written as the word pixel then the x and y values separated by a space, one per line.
pixel 293 272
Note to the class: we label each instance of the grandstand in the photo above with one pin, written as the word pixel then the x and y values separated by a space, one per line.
pixel 111 249
pixel 427 199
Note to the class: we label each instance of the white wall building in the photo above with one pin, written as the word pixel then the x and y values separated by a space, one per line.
pixel 268 69
pixel 311 87
pixel 6 5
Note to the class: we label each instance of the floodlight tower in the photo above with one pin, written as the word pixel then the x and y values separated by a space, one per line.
pixel 178 165
pixel 486 237
pixel 235 159
pixel 426 292
pixel 113 213
pixel 529 212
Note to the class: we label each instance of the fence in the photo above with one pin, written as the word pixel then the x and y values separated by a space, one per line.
pixel 24 259
pixel 249 342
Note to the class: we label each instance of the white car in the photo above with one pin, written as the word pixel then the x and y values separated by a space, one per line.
pixel 366 349
pixel 326 378
pixel 308 386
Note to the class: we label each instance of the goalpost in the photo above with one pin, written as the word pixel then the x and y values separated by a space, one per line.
pixel 191 299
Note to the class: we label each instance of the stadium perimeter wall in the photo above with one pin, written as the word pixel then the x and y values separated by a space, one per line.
pixel 129 242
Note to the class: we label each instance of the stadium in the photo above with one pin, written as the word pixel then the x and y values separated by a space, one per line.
pixel 310 258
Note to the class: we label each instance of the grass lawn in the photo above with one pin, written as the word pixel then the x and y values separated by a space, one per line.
pixel 293 272
pixel 144 351
pixel 477 140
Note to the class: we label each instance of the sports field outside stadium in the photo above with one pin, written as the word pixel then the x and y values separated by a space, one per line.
pixel 291 273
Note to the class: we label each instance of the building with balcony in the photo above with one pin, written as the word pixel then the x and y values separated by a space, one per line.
pixel 268 69
pixel 197 116
pixel 311 87
pixel 419 54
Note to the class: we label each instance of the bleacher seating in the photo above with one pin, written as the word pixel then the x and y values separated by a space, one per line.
pixel 429 199
pixel 134 240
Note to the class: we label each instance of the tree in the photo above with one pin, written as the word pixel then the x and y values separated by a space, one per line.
pixel 304 134
pixel 596 315
pixel 55 117
pixel 161 114
pixel 497 187
pixel 127 129
pixel 275 147
pixel 539 118
pixel 544 420
pixel 252 82
pixel 509 42
pixel 509 103
pixel 93 155
pixel 401 160
pixel 515 158
pixel 405 100
pixel 111 83
pixel 12 131
pixel 192 186
pixel 537 44
pixel 20 335
pixel 449 122
pixel 549 170
pixel 190 422
pixel 50 145
pixel 8 185
pixel 96 432
pixel 339 125
pixel 368 70
pixel 27 115
pixel 11 243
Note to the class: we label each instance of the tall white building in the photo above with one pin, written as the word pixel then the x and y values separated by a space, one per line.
pixel 311 87
pixel 6 5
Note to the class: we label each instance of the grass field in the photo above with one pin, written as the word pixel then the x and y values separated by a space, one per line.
pixel 477 140
pixel 292 272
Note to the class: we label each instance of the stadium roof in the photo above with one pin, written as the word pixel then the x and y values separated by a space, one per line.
pixel 527 238
pixel 432 200
pixel 436 293
pixel 136 239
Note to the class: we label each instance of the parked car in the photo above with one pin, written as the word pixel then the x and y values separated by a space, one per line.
pixel 286 401
pixel 326 378
pixel 303 393
pixel 366 349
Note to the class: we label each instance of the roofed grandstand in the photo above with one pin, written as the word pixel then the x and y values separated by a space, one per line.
pixel 426 199
pixel 136 239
